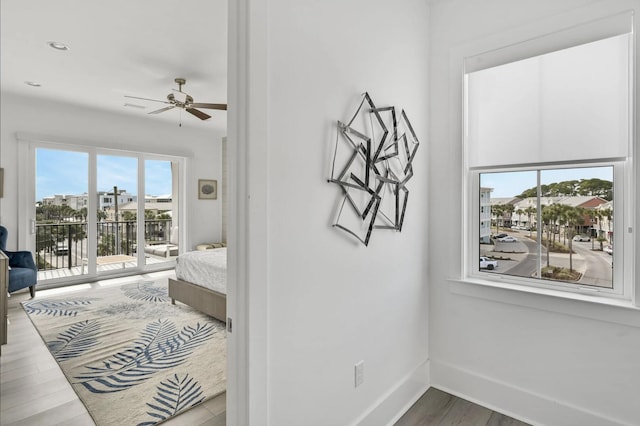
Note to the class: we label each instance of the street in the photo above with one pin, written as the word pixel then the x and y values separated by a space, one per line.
pixel 520 259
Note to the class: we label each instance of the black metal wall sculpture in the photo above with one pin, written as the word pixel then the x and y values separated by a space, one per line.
pixel 377 167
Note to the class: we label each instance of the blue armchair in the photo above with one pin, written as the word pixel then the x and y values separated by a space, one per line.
pixel 23 272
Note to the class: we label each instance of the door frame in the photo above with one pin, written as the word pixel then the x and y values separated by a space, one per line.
pixel 247 130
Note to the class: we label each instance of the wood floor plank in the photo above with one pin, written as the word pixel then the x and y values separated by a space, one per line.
pixel 33 407
pixel 219 420
pixel 466 413
pixel 498 419
pixel 58 415
pixel 431 406
pixel 194 416
pixel 438 408
pixel 217 405
pixel 44 390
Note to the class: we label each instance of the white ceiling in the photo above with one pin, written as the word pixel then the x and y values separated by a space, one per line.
pixel 117 48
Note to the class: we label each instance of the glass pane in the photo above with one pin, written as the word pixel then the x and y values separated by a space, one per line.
pixel 117 183
pixel 507 223
pixel 160 212
pixel 577 214
pixel 575 239
pixel 61 213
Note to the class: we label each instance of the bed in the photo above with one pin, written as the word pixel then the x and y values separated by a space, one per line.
pixel 201 281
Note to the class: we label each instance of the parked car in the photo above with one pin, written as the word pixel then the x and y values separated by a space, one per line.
pixel 608 249
pixel 61 249
pixel 507 239
pixel 581 238
pixel 495 237
pixel 486 263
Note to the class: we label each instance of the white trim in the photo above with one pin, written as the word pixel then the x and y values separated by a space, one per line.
pixel 582 33
pixel 580 305
pixel 247 345
pixel 513 401
pixel 388 409
pixel 122 147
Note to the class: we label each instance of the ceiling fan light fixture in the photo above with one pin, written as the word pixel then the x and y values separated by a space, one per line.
pixel 182 101
pixel 58 45
pixel 33 83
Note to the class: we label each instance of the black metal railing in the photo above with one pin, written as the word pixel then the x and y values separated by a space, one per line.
pixel 64 245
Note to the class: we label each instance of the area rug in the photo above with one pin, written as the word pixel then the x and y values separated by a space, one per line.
pixel 132 357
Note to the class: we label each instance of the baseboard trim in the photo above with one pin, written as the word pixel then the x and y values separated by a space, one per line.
pixel 393 404
pixel 513 401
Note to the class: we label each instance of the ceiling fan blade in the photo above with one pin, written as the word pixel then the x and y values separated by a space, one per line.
pixel 146 99
pixel 210 106
pixel 158 111
pixel 201 115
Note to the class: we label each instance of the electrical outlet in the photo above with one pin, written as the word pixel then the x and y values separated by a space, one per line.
pixel 359 373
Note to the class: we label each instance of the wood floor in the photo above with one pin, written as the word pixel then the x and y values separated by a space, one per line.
pixel 439 408
pixel 33 390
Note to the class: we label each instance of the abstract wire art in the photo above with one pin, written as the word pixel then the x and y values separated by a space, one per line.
pixel 380 148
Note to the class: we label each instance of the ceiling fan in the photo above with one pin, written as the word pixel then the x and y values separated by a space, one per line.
pixel 183 100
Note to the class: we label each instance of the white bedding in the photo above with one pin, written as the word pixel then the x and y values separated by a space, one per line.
pixel 206 268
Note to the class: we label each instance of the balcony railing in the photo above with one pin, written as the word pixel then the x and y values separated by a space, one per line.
pixel 64 245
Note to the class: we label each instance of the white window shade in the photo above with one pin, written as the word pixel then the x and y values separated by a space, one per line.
pixel 567 105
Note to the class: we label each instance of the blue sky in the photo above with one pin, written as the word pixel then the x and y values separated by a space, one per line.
pixel 511 184
pixel 65 172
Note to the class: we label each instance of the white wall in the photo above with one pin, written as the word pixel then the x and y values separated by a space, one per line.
pixel 64 122
pixel 331 302
pixel 543 360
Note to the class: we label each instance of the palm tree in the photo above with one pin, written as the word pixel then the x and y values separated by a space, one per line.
pixel 547 220
pixel 519 212
pixel 608 213
pixel 564 212
pixel 101 215
pixel 574 216
pixel 593 214
pixel 509 208
pixel 498 211
pixel 530 211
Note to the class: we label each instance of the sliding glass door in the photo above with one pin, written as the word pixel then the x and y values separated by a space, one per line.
pixel 101 212
pixel 117 196
pixel 61 210
pixel 161 211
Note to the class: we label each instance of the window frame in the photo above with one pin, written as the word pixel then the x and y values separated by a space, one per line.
pixel 622 288
pixel 626 194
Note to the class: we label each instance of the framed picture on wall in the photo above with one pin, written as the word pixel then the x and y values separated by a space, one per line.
pixel 207 189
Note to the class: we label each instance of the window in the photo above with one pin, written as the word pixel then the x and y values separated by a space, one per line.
pixel 548 146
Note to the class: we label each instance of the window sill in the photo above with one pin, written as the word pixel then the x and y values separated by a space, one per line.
pixel 586 306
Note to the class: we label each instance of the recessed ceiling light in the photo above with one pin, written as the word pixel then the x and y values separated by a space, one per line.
pixel 135 106
pixel 32 83
pixel 57 45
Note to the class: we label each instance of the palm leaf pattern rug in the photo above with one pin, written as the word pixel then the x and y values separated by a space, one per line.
pixel 132 357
